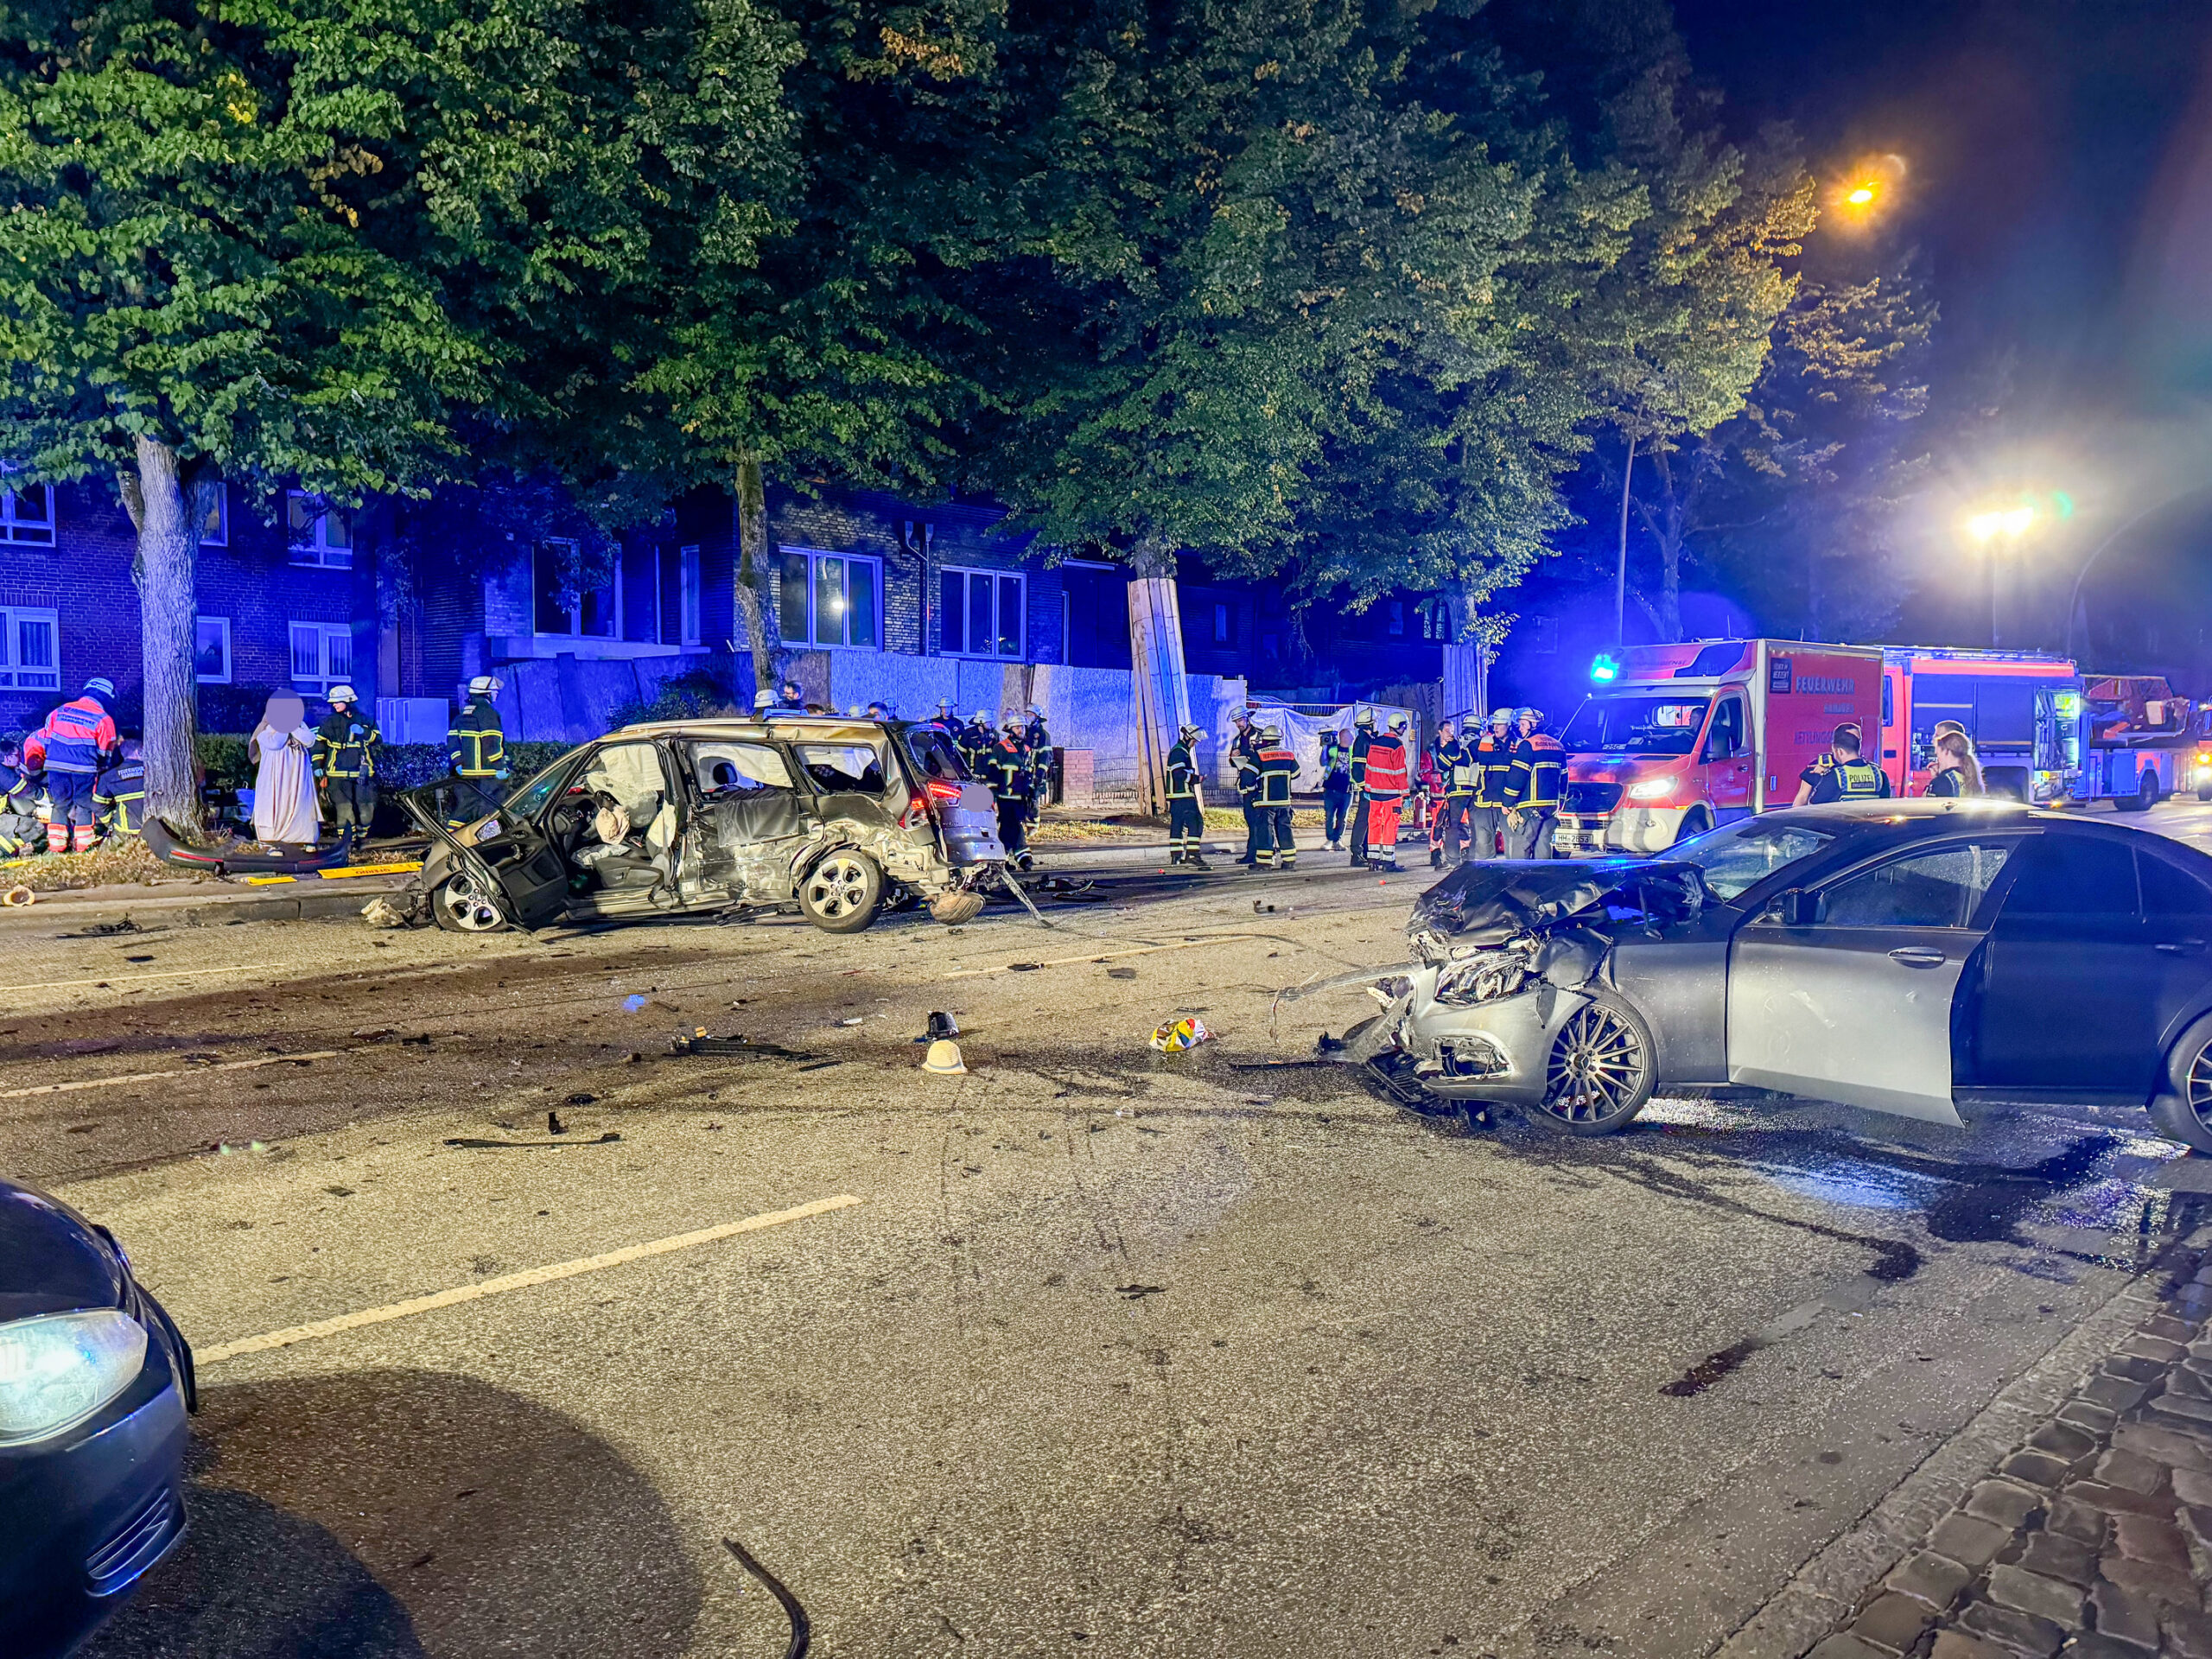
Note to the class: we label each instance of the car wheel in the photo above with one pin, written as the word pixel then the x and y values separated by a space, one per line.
pixel 2183 1111
pixel 2144 797
pixel 1696 821
pixel 459 907
pixel 843 893
pixel 2204 792
pixel 1600 1073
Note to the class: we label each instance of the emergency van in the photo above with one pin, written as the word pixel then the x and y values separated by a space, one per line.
pixel 1676 739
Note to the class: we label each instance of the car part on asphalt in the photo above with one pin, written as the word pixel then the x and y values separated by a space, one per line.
pixel 162 842
pixel 607 1138
pixel 788 1602
pixel 743 1048
pixel 17 896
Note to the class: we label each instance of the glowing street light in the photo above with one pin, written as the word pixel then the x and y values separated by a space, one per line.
pixel 1997 529
pixel 1862 195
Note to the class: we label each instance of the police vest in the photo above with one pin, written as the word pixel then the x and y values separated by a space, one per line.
pixel 1857 781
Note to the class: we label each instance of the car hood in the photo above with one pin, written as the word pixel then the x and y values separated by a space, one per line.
pixel 51 1260
pixel 1494 902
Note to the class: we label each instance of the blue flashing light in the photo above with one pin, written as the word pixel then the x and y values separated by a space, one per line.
pixel 1603 670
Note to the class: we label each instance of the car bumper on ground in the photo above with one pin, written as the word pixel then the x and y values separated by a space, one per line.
pixel 83 1516
pixel 1492 1052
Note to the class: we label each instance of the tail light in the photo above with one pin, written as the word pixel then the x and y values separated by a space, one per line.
pixel 917 814
pixel 939 789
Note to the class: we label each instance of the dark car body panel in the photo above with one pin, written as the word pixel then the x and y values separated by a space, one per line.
pixel 85 1513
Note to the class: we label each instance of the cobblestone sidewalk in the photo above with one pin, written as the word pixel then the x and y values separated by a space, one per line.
pixel 2094 1537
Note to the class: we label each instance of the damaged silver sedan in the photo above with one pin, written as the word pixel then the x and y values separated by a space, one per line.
pixel 1912 957
pixel 838 819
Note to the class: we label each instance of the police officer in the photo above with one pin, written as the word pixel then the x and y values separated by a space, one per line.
pixel 1458 774
pixel 73 745
pixel 1244 745
pixel 1336 788
pixel 1493 755
pixel 1186 824
pixel 476 744
pixel 1278 771
pixel 1850 778
pixel 120 794
pixel 1810 779
pixel 1006 769
pixel 345 757
pixel 21 833
pixel 1533 789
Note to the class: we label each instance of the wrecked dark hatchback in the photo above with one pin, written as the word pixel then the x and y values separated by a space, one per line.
pixel 836 818
pixel 1904 956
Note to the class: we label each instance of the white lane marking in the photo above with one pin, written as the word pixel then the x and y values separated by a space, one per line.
pixel 1101 956
pixel 153 1076
pixel 460 1294
pixel 119 979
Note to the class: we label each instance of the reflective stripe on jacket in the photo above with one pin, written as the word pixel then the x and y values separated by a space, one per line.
pixel 1336 764
pixel 1539 774
pixel 1383 774
pixel 475 742
pixel 1493 762
pixel 1462 771
pixel 73 739
pixel 345 745
pixel 121 793
pixel 1182 774
pixel 1278 770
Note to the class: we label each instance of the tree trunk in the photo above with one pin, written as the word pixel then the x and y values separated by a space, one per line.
pixel 168 501
pixel 1161 700
pixel 753 605
pixel 1670 589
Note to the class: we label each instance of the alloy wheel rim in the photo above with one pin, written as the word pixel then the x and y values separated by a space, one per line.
pixel 837 889
pixel 2200 1085
pixel 1597 1067
pixel 475 914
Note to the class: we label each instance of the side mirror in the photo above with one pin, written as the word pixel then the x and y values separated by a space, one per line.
pixel 1798 908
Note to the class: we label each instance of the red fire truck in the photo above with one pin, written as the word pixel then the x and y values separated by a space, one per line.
pixel 1676 739
pixel 2018 707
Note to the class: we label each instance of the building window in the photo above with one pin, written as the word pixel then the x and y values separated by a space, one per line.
pixel 559 609
pixel 984 612
pixel 211 651
pixel 1435 619
pixel 1394 614
pixel 30 650
pixel 1221 630
pixel 318 533
pixel 216 532
pixel 678 592
pixel 830 599
pixel 26 515
pixel 323 654
pixel 691 593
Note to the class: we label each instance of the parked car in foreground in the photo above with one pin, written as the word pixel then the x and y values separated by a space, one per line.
pixel 837 818
pixel 95 1381
pixel 1907 956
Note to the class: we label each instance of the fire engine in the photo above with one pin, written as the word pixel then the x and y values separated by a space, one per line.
pixel 2019 708
pixel 1676 739
pixel 2137 743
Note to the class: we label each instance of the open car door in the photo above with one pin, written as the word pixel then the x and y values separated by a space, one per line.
pixel 514 865
pixel 1847 993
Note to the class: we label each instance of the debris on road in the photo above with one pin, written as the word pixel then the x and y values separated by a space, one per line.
pixel 553 1125
pixel 469 1140
pixel 793 1610
pixel 18 896
pixel 944 1060
pixel 1120 973
pixel 1184 1033
pixel 942 1025
pixel 741 1047
pixel 854 1021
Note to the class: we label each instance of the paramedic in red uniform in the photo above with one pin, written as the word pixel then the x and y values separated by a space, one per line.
pixel 78 739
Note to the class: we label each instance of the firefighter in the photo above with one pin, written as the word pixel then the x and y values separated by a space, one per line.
pixel 1186 822
pixel 73 745
pixel 1379 774
pixel 1493 758
pixel 120 794
pixel 1278 771
pixel 1336 788
pixel 1810 779
pixel 764 703
pixel 476 744
pixel 1006 769
pixel 345 757
pixel 21 833
pixel 978 740
pixel 1533 789
pixel 1245 744
pixel 1039 742
pixel 1851 777
pixel 1460 774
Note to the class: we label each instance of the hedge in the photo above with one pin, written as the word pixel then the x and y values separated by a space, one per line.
pixel 399 766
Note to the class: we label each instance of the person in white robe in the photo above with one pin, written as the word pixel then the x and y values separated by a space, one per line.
pixel 285 812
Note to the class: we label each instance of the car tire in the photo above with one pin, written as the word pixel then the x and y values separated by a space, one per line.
pixel 458 908
pixel 2144 797
pixel 2182 1110
pixel 1696 821
pixel 1599 1073
pixel 2204 792
pixel 843 893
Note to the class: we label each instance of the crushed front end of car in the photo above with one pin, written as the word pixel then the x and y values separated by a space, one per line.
pixel 1504 955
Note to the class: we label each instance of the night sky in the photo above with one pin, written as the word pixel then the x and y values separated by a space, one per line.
pixel 2060 157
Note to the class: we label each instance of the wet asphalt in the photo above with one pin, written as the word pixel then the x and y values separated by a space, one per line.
pixel 1116 1354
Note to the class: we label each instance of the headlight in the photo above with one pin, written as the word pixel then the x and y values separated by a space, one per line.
pixel 58 1368
pixel 1651 789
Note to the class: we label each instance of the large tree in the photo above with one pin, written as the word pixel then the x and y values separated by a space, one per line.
pixel 302 241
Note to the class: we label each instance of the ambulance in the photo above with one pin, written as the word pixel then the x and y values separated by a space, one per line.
pixel 1675 740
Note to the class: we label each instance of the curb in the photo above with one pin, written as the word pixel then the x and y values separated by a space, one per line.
pixel 1828 1586
pixel 181 911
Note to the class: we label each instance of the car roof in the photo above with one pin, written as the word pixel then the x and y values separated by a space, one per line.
pixel 1923 816
pixel 736 726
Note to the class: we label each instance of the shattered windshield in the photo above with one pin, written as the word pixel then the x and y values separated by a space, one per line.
pixel 1667 725
pixel 1738 856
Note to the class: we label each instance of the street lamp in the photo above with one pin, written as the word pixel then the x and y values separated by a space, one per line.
pixel 1994 531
